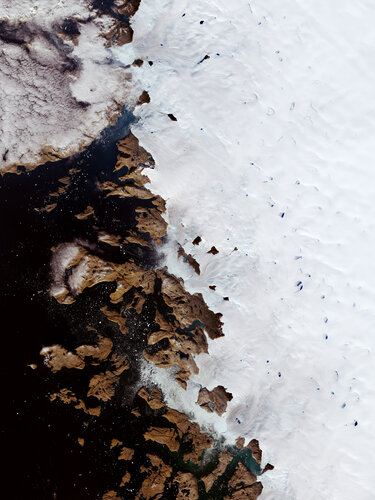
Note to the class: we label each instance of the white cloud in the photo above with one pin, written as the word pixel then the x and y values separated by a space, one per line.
pixel 57 90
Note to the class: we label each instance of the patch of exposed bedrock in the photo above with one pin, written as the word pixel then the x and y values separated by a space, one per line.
pixel 60 81
pixel 163 453
pixel 215 400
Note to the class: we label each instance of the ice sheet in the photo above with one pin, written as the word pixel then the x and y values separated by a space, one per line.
pixel 273 153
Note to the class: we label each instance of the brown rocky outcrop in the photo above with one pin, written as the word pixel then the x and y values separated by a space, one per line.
pixel 66 396
pixel 255 450
pixel 187 257
pixel 225 459
pixel 182 333
pixel 240 442
pixel 189 432
pixel 157 474
pixel 132 156
pixel 137 240
pixel 119 35
pixel 126 454
pixel 215 400
pixel 115 442
pixel 250 492
pixel 143 98
pixel 163 435
pixel 187 486
pixel 80 270
pixel 136 159
pixel 243 484
pixel 57 357
pixel 241 476
pixel 188 308
pixel 213 251
pixel 128 7
pixel 99 351
pixel 86 213
pixel 110 239
pixel 111 495
pixel 103 385
pixel 153 397
pixel 125 478
pixel 150 221
pixel 116 317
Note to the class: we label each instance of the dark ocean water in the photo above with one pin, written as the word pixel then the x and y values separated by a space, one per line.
pixel 43 457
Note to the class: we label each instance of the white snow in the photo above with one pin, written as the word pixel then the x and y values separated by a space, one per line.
pixel 280 120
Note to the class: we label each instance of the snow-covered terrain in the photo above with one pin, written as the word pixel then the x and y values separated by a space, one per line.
pixel 60 84
pixel 273 153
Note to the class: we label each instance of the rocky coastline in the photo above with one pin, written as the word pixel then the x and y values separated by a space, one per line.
pixel 86 304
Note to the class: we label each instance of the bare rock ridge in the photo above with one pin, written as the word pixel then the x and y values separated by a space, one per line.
pixel 189 259
pixel 215 400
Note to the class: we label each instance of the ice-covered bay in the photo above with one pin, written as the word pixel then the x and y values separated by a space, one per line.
pixel 273 152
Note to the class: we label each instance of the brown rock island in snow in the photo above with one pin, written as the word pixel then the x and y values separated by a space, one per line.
pixel 215 400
